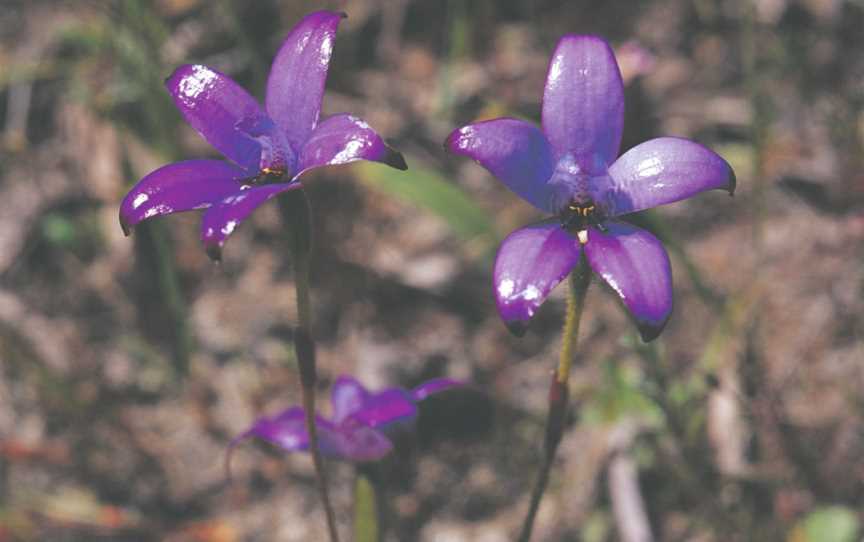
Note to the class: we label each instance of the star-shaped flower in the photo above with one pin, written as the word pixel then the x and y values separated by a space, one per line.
pixel 361 425
pixel 269 148
pixel 568 169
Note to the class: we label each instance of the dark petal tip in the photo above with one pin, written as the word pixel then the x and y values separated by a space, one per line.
pixel 733 182
pixel 517 328
pixel 215 253
pixel 649 332
pixel 451 140
pixel 127 229
pixel 342 14
pixel 395 159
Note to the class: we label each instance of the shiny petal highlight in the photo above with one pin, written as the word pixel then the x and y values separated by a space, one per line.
pixel 635 265
pixel 344 138
pixel 514 151
pixel 220 220
pixel 661 171
pixel 583 102
pixel 530 263
pixel 214 104
pixel 295 86
pixel 182 186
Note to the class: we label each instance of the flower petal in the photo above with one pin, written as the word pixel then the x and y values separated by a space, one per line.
pixel 358 443
pixel 664 170
pixel 385 408
pixel 344 138
pixel 583 102
pixel 530 263
pixel 286 430
pixel 514 151
pixel 347 397
pixel 431 387
pixel 348 442
pixel 182 186
pixel 295 86
pixel 634 263
pixel 214 104
pixel 222 219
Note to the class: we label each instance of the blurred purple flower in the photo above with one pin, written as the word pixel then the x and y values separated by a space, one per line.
pixel 270 148
pixel 361 425
pixel 569 169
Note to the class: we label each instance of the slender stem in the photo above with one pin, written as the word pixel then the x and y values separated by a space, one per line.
pixel 169 286
pixel 296 213
pixel 368 512
pixel 580 278
pixel 153 245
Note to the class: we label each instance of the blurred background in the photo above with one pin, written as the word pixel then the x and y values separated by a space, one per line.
pixel 127 364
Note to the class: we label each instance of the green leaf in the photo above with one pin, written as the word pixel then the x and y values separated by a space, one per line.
pixel 620 396
pixel 428 190
pixel 829 524
pixel 58 230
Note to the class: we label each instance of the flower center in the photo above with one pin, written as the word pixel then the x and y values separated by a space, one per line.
pixel 574 195
pixel 277 159
pixel 577 215
pixel 267 175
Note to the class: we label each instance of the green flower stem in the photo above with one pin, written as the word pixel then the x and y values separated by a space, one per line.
pixel 368 524
pixel 153 245
pixel 169 287
pixel 297 217
pixel 580 278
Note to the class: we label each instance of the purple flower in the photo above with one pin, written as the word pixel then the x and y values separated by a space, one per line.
pixel 361 424
pixel 269 148
pixel 569 169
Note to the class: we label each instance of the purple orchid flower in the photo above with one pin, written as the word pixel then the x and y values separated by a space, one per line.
pixel 569 169
pixel 362 422
pixel 270 148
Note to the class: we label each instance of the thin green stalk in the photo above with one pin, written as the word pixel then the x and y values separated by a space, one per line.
pixel 752 51
pixel 154 246
pixel 368 513
pixel 169 285
pixel 297 216
pixel 580 278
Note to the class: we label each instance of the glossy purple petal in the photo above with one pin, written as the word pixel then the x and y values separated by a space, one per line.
pixel 664 170
pixel 222 219
pixel 182 186
pixel 214 104
pixel 530 263
pixel 514 151
pixel 583 102
pixel 387 407
pixel 295 86
pixel 347 397
pixel 635 265
pixel 431 387
pixel 344 138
